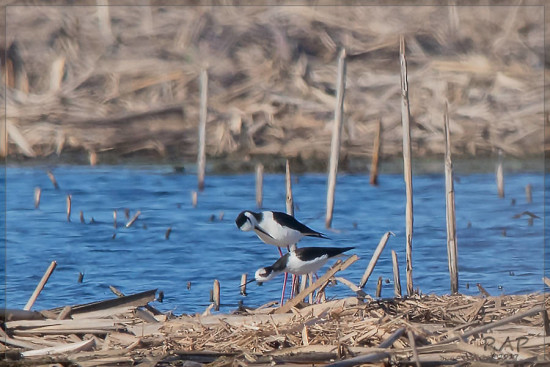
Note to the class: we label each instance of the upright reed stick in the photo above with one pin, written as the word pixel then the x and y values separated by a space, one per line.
pixel 259 184
pixel 40 285
pixel 396 280
pixel 500 175
pixel 201 157
pixel 452 250
pixel 37 195
pixel 375 155
pixel 336 136
pixel 407 169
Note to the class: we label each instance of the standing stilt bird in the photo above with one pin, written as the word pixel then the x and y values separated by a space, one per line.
pixel 275 228
pixel 301 261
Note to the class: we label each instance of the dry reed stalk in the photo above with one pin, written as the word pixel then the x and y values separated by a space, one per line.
pixel 80 277
pixel 81 217
pixel 216 295
pixel 500 175
pixel 452 246
pixel 194 198
pixel 289 203
pixel 374 259
pixel 56 73
pixel 529 193
pixel 375 155
pixel 37 195
pixel 40 285
pixel 167 233
pixel 407 168
pixel 482 290
pixel 3 138
pixel 92 157
pixel 396 279
pixel 378 288
pixel 114 218
pixel 243 284
pixel 69 200
pixel 201 156
pixel 65 312
pixel 336 135
pixel 52 179
pixel 104 20
pixel 134 218
pixel 259 184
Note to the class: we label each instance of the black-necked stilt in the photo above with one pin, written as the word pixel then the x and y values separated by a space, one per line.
pixel 275 228
pixel 300 261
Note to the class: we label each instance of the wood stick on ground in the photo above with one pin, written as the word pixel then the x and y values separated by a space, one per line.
pixel 37 195
pixel 375 155
pixel 371 357
pixel 243 284
pixel 379 287
pixel 69 200
pixel 300 296
pixel 56 73
pixel 336 136
pixel 52 179
pixel 216 294
pixel 374 259
pixel 64 313
pixel 201 156
pixel 40 285
pixel 396 280
pixel 452 249
pixel 500 175
pixel 259 184
pixel 529 193
pixel 134 218
pixel 482 290
pixel 407 168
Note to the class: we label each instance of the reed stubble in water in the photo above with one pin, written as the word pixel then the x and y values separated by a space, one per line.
pixel 259 184
pixel 396 280
pixel 375 155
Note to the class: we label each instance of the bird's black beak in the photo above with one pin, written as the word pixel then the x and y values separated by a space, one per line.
pixel 250 281
pixel 264 232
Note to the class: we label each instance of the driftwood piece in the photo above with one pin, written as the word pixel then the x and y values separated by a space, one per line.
pixel 68 348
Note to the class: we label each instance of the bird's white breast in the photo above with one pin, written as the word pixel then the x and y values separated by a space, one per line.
pixel 299 267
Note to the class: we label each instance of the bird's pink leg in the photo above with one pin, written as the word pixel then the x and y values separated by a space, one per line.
pixel 284 282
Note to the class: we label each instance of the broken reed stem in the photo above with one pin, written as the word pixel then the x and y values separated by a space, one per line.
pixel 500 175
pixel 243 284
pixel 374 259
pixel 81 217
pixel 452 249
pixel 40 285
pixel 3 138
pixel 375 155
pixel 194 198
pixel 64 313
pixel 92 155
pixel 37 195
pixel 56 73
pixel 259 184
pixel 167 233
pixel 216 295
pixel 114 218
pixel 80 277
pixel 289 198
pixel 336 136
pixel 413 347
pixel 134 218
pixel 104 20
pixel 201 156
pixel 482 290
pixel 53 180
pixel 396 280
pixel 529 193
pixel 379 287
pixel 407 169
pixel 69 199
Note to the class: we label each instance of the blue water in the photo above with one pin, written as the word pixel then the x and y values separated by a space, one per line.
pixel 202 247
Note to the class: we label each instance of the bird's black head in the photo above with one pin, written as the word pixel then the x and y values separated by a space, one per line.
pixel 241 219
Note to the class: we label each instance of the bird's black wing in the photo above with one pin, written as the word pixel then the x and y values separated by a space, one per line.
pixel 310 253
pixel 291 222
